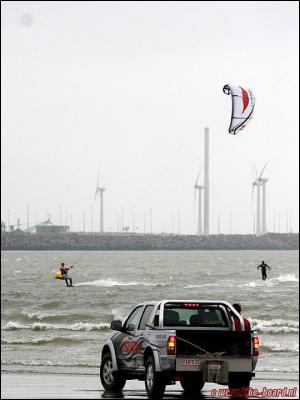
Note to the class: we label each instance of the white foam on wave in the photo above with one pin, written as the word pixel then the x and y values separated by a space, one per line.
pixel 34 363
pixel 34 314
pixel 253 284
pixel 273 281
pixel 78 326
pixel 286 278
pixel 250 284
pixel 281 329
pixel 275 326
pixel 38 340
pixel 39 315
pixel 280 347
pixel 111 282
pixel 200 286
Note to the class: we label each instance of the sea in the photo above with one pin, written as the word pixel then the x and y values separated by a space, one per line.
pixel 47 327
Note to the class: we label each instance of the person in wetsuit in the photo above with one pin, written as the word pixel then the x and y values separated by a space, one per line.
pixel 263 267
pixel 64 271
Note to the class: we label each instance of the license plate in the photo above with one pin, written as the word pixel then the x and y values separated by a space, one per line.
pixel 190 362
pixel 214 365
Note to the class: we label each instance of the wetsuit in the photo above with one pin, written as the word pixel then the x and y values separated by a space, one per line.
pixel 64 272
pixel 263 267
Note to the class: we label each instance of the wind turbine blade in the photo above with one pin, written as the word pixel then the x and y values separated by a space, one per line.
pixel 95 195
pixel 256 172
pixel 263 170
pixel 198 177
pixel 252 194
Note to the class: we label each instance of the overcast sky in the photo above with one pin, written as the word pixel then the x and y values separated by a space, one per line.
pixel 131 86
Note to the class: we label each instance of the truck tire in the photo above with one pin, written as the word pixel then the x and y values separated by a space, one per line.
pixel 154 382
pixel 111 381
pixel 191 385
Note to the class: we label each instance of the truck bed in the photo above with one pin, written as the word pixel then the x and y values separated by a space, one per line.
pixel 229 343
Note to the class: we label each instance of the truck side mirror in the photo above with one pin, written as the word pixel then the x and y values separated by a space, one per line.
pixel 116 325
pixel 130 328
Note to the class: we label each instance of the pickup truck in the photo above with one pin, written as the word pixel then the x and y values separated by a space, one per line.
pixel 191 341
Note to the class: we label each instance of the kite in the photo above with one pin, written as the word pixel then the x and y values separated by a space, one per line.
pixel 243 102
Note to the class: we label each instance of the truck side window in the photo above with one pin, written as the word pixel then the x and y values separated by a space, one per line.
pixel 133 319
pixel 145 317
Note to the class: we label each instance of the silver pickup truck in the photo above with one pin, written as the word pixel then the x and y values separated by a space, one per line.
pixel 191 341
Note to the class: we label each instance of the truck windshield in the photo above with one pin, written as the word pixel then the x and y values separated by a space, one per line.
pixel 194 314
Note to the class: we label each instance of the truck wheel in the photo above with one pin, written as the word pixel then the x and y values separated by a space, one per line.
pixel 111 381
pixel 191 386
pixel 154 383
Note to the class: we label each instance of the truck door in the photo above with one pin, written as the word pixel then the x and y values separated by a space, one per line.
pixel 127 343
pixel 141 334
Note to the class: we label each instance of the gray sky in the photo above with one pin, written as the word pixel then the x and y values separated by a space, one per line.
pixel 131 86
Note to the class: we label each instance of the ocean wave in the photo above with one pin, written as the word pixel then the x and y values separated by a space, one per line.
pixel 51 304
pixel 275 326
pixel 273 281
pixel 280 347
pixel 40 316
pixel 199 286
pixel 40 326
pixel 286 278
pixel 277 330
pixel 41 340
pixel 34 363
pixel 110 282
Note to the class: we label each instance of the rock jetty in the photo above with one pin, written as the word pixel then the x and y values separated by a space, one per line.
pixel 19 240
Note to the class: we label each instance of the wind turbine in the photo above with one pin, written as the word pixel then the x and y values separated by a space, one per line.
pixel 263 182
pixel 260 181
pixel 264 224
pixel 200 188
pixel 257 184
pixel 99 191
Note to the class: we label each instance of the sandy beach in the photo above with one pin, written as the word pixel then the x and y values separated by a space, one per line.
pixel 74 386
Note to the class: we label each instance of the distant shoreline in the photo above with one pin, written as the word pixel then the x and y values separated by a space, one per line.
pixel 19 240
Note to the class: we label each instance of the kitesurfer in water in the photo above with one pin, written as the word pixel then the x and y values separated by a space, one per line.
pixel 263 267
pixel 64 272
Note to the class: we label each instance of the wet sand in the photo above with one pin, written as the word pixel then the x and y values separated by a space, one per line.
pixel 74 386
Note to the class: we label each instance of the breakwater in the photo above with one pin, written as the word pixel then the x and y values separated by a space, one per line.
pixel 19 240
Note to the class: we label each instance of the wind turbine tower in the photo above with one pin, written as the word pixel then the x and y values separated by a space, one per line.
pixel 260 211
pixel 199 188
pixel 206 182
pixel 264 224
pixel 99 191
pixel 258 226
